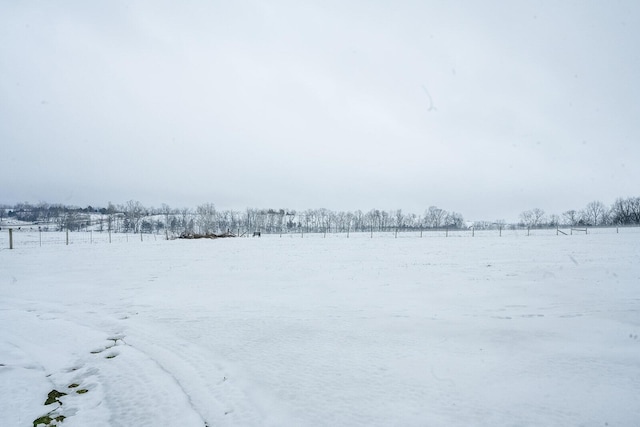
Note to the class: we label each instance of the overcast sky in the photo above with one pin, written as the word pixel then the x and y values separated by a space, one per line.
pixel 487 108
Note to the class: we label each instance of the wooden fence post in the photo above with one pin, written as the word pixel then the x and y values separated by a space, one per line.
pixel 11 238
pixel 67 237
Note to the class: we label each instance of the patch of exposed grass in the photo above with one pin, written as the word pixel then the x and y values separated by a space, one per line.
pixel 47 421
pixel 53 397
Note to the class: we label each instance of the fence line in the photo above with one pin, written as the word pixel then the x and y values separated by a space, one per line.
pixel 22 237
pixel 11 238
pixel 466 232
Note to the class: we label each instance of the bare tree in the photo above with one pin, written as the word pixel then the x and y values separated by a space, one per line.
pixel 250 219
pixel 434 216
pixel 571 217
pixel 595 213
pixel 372 219
pixel 206 215
pixel 358 220
pixel 454 220
pixel 412 220
pixel 533 217
pixel 620 211
pixel 385 220
pixel 634 209
pixel 71 220
pixel 626 211
pixel 134 211
pixel 186 220
pixel 167 213
pixel 348 220
pixel 399 219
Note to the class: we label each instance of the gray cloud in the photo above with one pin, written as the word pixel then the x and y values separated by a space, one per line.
pixel 485 108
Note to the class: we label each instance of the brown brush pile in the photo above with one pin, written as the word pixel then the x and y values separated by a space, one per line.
pixel 205 236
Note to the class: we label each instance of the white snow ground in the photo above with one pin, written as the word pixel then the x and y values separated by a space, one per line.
pixel 487 331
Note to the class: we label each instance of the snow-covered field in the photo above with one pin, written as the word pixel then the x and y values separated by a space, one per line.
pixel 457 331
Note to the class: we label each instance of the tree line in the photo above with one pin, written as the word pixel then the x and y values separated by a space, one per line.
pixel 133 217
pixel 624 211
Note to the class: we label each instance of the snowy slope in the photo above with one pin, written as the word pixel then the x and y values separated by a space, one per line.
pixel 539 330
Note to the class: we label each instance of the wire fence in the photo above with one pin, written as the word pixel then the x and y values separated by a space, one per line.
pixel 24 237
pixel 11 238
pixel 510 231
